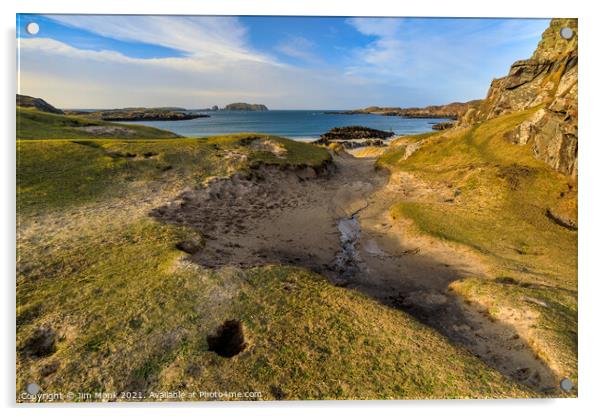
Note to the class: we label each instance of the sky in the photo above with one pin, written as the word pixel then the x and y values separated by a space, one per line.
pixel 111 61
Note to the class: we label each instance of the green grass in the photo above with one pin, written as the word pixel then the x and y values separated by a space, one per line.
pixel 501 214
pixel 131 315
pixel 34 124
pixel 62 173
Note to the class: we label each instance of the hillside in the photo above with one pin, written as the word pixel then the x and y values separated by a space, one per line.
pixel 503 186
pixel 33 124
pixel 26 101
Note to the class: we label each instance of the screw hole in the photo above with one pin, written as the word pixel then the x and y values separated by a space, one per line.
pixel 566 33
pixel 32 28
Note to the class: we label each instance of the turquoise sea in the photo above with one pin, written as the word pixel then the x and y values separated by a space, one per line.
pixel 294 124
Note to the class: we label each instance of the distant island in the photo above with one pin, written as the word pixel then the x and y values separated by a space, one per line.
pixel 140 114
pixel 245 107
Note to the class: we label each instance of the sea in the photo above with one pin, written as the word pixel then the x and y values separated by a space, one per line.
pixel 303 125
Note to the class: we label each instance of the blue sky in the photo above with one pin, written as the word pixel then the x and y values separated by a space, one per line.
pixel 87 61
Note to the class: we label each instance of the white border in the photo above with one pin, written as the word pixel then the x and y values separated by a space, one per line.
pixel 590 209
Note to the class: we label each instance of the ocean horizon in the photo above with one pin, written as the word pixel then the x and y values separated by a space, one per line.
pixel 302 125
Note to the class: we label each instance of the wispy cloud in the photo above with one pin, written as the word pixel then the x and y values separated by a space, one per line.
pixel 448 54
pixel 74 78
pixel 300 48
pixel 385 54
pixel 200 37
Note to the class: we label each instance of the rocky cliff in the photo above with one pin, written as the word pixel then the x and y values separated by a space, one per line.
pixel 547 81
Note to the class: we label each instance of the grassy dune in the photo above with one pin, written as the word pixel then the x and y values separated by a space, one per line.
pixel 106 302
pixel 503 194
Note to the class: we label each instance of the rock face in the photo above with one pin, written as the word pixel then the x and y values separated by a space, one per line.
pixel 245 107
pixel 548 79
pixel 37 103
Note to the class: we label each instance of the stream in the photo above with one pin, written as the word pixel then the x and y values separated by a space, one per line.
pixel 347 261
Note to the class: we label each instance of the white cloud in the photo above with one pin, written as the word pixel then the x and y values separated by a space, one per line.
pixel 386 51
pixel 69 77
pixel 198 36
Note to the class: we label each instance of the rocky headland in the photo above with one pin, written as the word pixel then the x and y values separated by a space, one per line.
pixel 452 111
pixel 140 114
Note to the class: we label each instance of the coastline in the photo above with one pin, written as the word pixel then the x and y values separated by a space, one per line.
pixel 298 125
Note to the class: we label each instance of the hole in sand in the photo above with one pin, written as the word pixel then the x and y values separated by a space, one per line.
pixel 228 340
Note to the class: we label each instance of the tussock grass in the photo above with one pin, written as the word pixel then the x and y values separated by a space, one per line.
pixel 500 212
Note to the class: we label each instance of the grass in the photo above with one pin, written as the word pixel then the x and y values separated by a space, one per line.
pixel 500 212
pixel 34 124
pixel 130 313
pixel 61 173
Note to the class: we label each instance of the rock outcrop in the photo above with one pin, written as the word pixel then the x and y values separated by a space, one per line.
pixel 245 107
pixel 547 80
pixel 352 137
pixel 355 133
pixel 37 103
pixel 443 125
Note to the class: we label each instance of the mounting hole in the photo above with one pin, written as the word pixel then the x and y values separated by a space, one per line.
pixel 566 384
pixel 567 33
pixel 32 28
pixel 33 388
